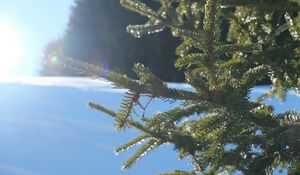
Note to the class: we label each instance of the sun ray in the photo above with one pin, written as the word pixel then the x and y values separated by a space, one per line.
pixel 10 49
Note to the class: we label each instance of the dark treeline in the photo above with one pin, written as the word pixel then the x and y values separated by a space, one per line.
pixel 96 33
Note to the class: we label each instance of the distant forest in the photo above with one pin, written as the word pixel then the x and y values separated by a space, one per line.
pixel 96 33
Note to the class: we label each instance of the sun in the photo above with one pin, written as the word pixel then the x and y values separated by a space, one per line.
pixel 10 49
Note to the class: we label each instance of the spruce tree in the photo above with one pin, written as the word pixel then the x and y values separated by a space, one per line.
pixel 231 132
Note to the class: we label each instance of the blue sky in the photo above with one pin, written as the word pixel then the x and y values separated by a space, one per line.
pixel 37 22
pixel 46 129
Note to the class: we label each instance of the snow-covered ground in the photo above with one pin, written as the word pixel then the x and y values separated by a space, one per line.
pixel 46 128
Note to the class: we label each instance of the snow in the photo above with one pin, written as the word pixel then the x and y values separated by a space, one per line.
pixel 47 128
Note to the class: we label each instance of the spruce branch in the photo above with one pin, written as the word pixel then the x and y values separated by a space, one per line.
pixel 198 36
pixel 198 82
pixel 269 6
pixel 147 77
pixel 178 172
pixel 294 169
pixel 122 81
pixel 148 28
pixel 253 75
pixel 140 8
pixel 291 118
pixel 185 47
pixel 126 109
pixel 211 27
pixel 232 48
pixel 277 51
pixel 85 68
pixel 129 121
pixel 101 108
pixel 292 26
pixel 190 59
pixel 211 24
pixel 175 115
pixel 150 145
pixel 138 140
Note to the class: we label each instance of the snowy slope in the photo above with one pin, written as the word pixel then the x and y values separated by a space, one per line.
pixel 46 128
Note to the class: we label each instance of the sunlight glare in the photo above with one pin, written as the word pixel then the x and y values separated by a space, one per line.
pixel 10 50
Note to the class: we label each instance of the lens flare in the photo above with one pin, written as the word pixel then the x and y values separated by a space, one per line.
pixel 55 59
pixel 105 68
